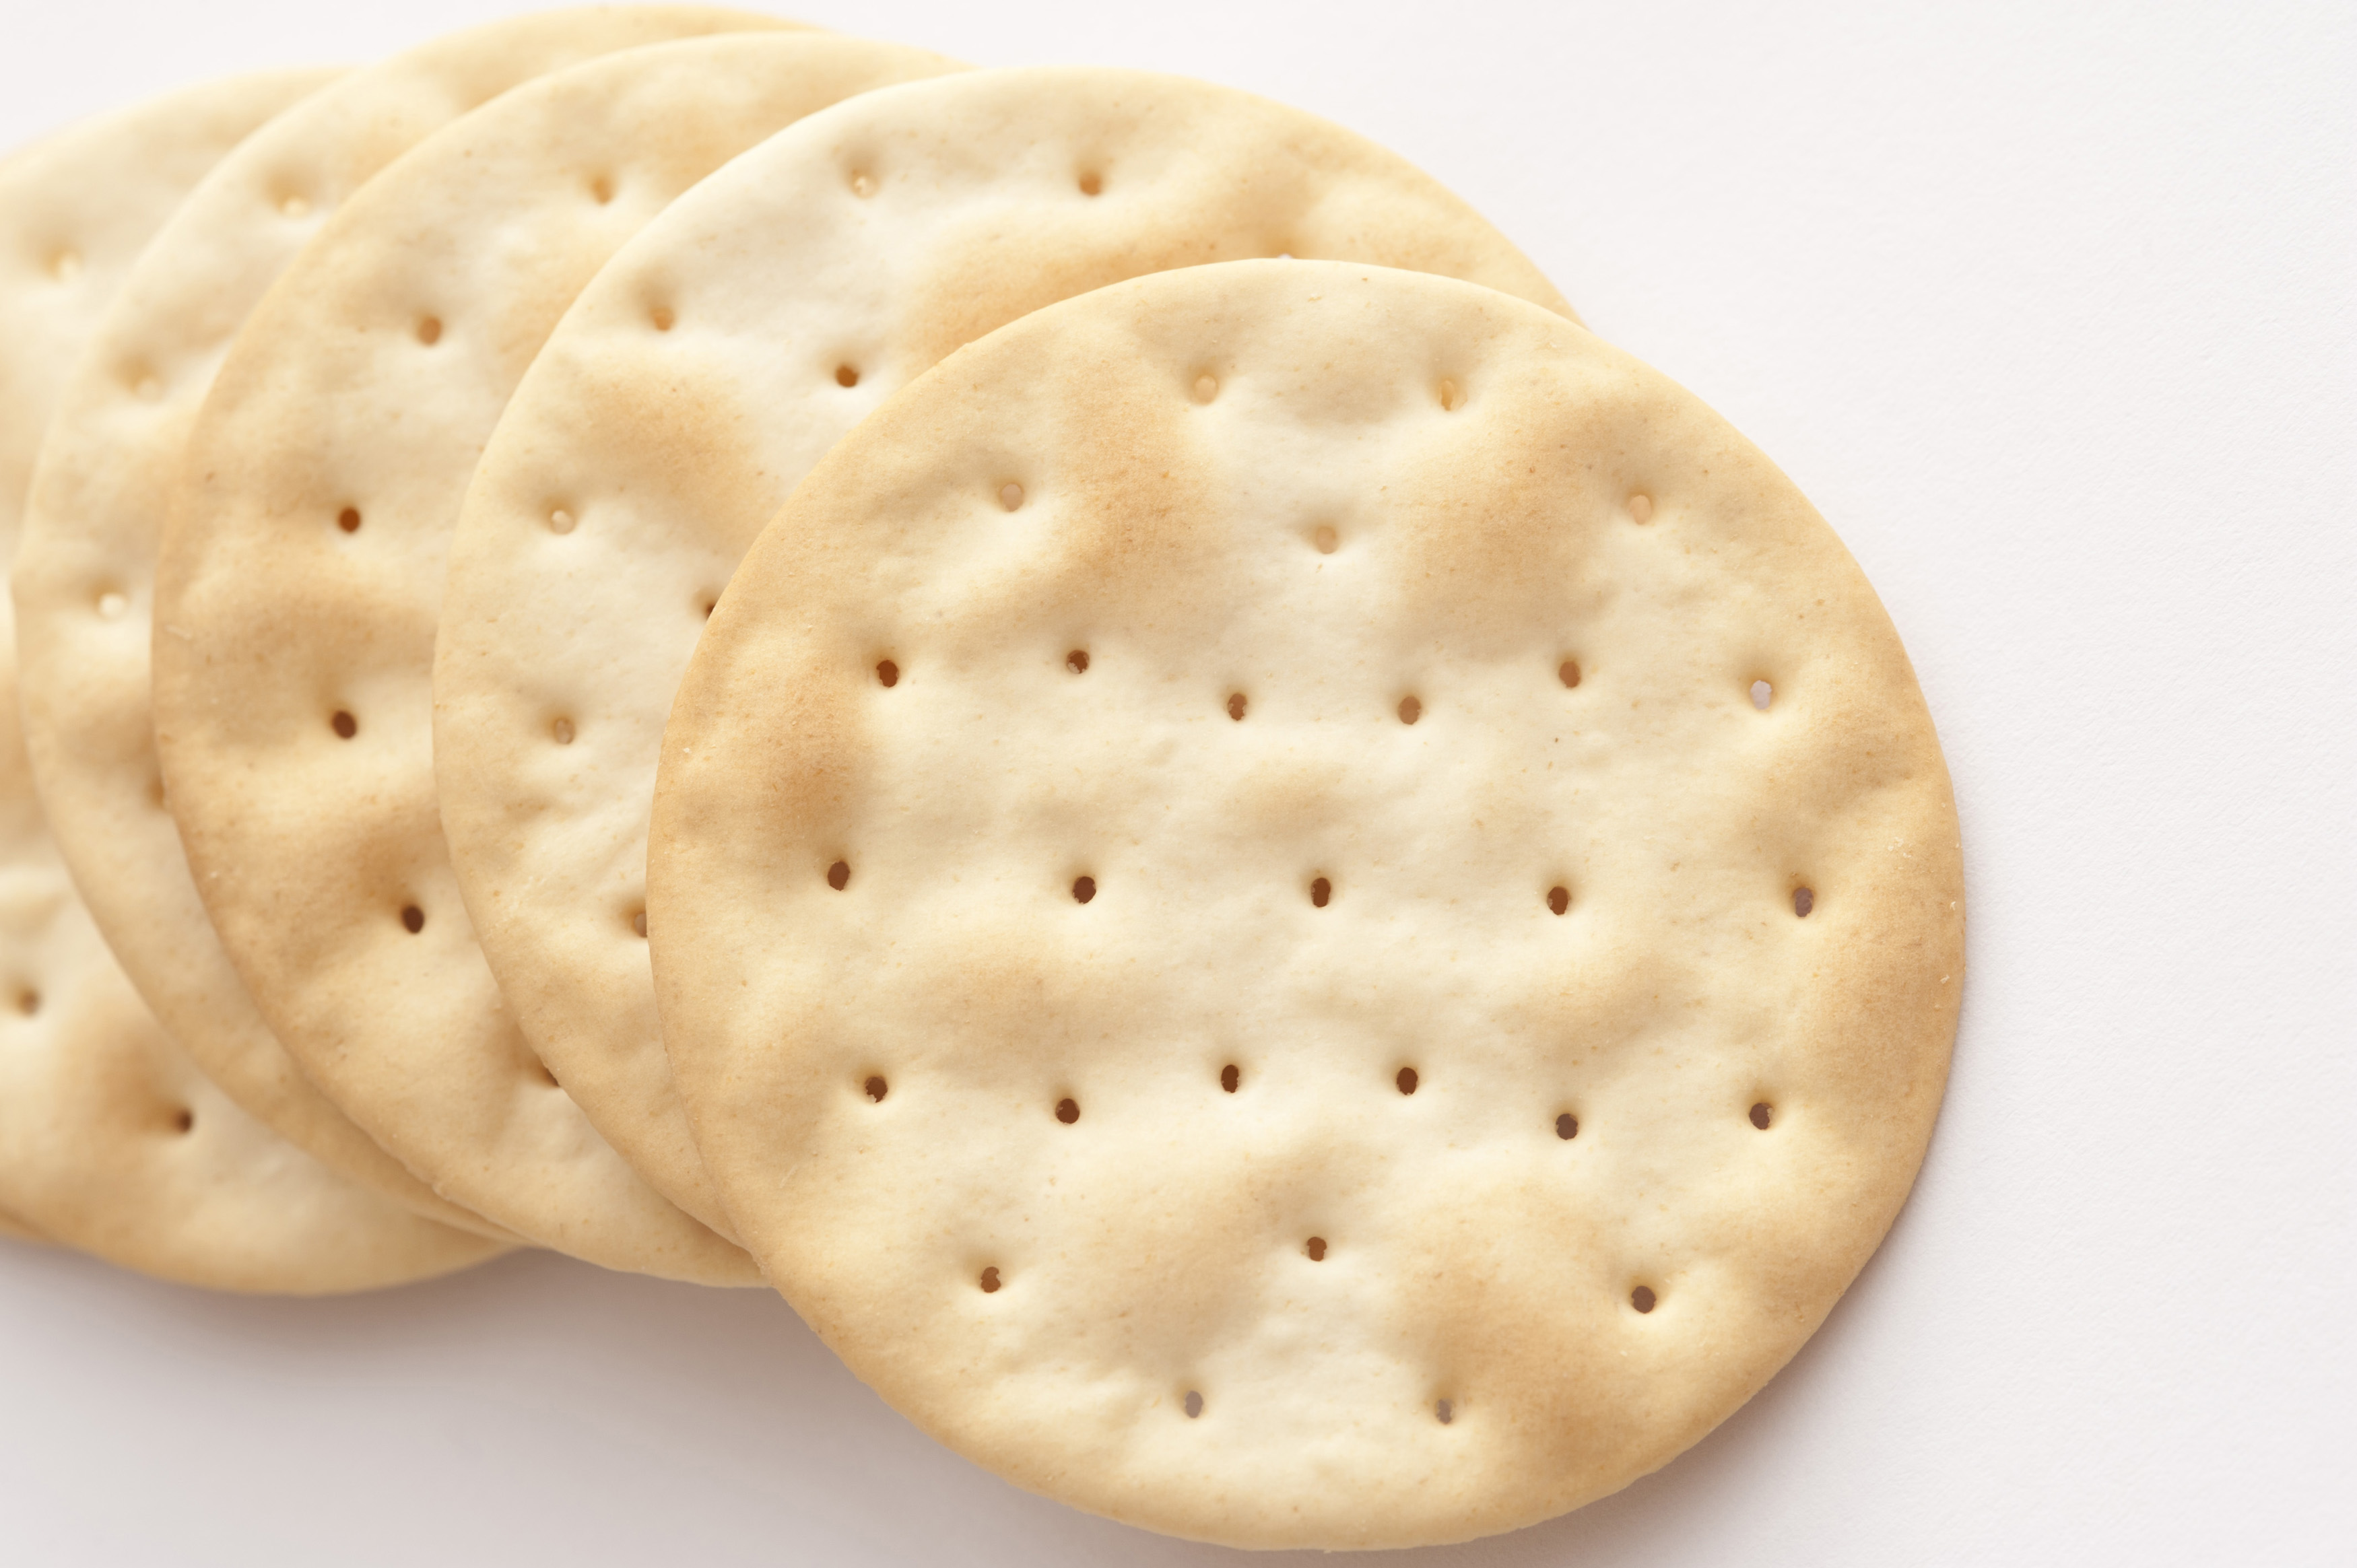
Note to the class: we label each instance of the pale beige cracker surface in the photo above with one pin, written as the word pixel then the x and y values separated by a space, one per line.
pixel 113 1141
pixel 110 1138
pixel 84 574
pixel 301 578
pixel 1230 923
pixel 75 211
pixel 808 281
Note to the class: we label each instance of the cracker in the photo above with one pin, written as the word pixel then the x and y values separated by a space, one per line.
pixel 97 509
pixel 1342 677
pixel 856 248
pixel 301 577
pixel 111 1140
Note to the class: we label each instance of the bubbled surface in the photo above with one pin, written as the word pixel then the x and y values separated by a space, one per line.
pixel 102 487
pixel 300 580
pixel 1380 1291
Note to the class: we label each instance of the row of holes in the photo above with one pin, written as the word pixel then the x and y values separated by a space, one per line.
pixel 1204 387
pixel 1411 707
pixel 863 185
pixel 1010 496
pixel 888 673
pixel 663 318
pixel 1084 888
pixel 1068 1111
pixel 1321 891
pixel 1644 1298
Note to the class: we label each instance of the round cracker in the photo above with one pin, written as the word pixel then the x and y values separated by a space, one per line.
pixel 301 578
pixel 109 1135
pixel 97 506
pixel 1234 724
pixel 859 246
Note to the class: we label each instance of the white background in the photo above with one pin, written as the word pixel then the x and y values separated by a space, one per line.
pixel 2049 309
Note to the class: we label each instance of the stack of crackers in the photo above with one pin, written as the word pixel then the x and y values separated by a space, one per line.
pixel 1061 712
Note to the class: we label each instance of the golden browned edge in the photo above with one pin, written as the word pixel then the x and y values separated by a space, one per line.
pixel 619 420
pixel 97 510
pixel 761 764
pixel 312 854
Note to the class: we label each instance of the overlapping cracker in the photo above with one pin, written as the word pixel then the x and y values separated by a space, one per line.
pixel 83 582
pixel 77 209
pixel 805 283
pixel 1297 904
pixel 111 1140
pixel 301 578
